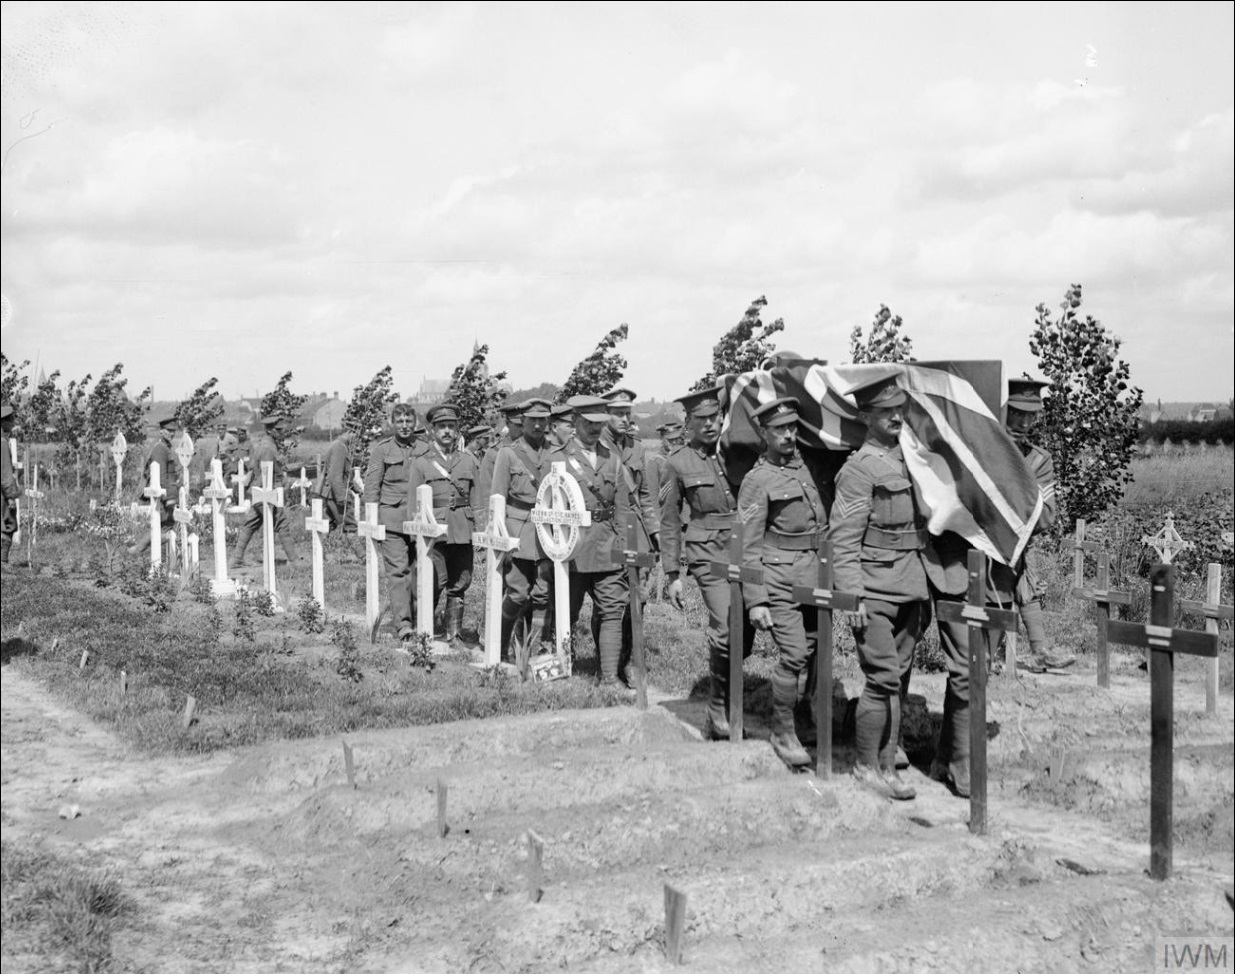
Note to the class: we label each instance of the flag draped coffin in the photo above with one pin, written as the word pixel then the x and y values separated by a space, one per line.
pixel 969 474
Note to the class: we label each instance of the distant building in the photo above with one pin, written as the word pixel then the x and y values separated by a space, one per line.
pixel 431 391
pixel 329 414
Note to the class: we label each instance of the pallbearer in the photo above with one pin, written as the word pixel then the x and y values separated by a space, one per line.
pixel 694 479
pixel 881 545
pixel 783 520
pixel 517 472
pixel 451 473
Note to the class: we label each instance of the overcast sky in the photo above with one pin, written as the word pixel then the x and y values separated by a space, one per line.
pixel 243 189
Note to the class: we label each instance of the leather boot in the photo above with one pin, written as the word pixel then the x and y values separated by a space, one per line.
pixel 242 542
pixel 508 631
pixel 958 767
pixel 716 723
pixel 6 543
pixel 454 621
pixel 289 546
pixel 789 749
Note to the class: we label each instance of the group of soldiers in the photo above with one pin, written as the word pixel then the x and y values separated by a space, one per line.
pixel 685 506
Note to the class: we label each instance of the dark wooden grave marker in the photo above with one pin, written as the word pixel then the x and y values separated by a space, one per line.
pixel 633 559
pixel 736 573
pixel 442 827
pixel 826 601
pixel 675 923
pixel 1163 643
pixel 980 619
pixel 1213 610
pixel 1102 597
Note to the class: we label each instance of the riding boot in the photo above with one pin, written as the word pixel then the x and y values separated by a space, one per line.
pixel 242 542
pixel 717 727
pixel 454 620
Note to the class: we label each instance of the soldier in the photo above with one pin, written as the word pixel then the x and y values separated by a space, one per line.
pixel 1024 406
pixel 517 473
pixel 620 436
pixel 451 473
pixel 264 449
pixel 594 569
pixel 694 479
pixel 783 520
pixel 335 484
pixel 880 545
pixel 385 484
pixel 205 450
pixel 169 479
pixel 478 443
pixel 561 425
pixel 9 487
pixel 672 435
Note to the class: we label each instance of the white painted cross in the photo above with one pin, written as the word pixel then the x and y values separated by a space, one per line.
pixel 496 543
pixel 155 492
pixel 372 530
pixel 426 529
pixel 238 478
pixel 269 497
pixel 192 547
pixel 559 514
pixel 303 483
pixel 358 483
pixel 1167 542
pixel 18 469
pixel 218 492
pixel 35 496
pixel 184 453
pixel 119 450
pixel 183 516
pixel 319 527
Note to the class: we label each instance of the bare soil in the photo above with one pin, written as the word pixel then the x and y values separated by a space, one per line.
pixel 266 860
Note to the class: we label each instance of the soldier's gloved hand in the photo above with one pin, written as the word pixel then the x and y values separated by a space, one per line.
pixel 675 595
pixel 761 617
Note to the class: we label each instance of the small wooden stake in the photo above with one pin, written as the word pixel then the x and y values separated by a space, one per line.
pixel 349 765
pixel 85 658
pixel 124 683
pixel 675 921
pixel 535 866
pixel 190 707
pixel 442 827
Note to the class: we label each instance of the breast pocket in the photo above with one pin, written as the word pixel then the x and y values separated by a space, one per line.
pixel 892 503
pixel 701 493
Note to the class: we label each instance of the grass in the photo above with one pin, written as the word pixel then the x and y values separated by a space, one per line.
pixel 57 916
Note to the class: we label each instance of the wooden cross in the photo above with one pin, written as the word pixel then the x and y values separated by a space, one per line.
pixel 497 542
pixel 35 496
pixel 192 551
pixel 184 453
pixel 217 492
pixel 318 527
pixel 557 523
pixel 269 497
pixel 426 529
pixel 303 483
pixel 633 559
pixel 1213 610
pixel 980 619
pixel 826 601
pixel 372 530
pixel 736 573
pixel 239 479
pixel 1167 542
pixel 119 450
pixel 1163 643
pixel 18 469
pixel 358 484
pixel 155 493
pixel 1103 598
pixel 183 516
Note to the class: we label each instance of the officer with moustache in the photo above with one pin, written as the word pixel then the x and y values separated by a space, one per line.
pixel 694 482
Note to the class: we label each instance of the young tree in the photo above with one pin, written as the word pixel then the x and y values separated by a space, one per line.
pixel 13 383
pixel 1089 420
pixel 743 347
pixel 476 392
pixel 885 342
pixel 600 371
pixel 367 411
pixel 283 402
pixel 35 420
pixel 108 409
pixel 201 410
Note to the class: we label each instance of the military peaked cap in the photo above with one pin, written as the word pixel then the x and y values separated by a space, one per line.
pixel 881 395
pixel 705 402
pixel 447 412
pixel 592 408
pixel 537 409
pixel 619 397
pixel 561 411
pixel 1026 394
pixel 778 412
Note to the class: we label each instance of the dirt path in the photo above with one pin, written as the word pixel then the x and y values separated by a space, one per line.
pixel 265 860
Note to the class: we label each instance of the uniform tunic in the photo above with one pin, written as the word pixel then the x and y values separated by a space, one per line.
pixel 1031 582
pixel 452 478
pixel 264 450
pixel 385 484
pixel 10 489
pixel 332 483
pixel 517 472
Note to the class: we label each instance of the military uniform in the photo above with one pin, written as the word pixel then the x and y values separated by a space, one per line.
pixel 452 478
pixel 699 509
pixel 596 564
pixel 10 490
pixel 385 484
pixel 783 519
pixel 169 480
pixel 334 480
pixel 263 449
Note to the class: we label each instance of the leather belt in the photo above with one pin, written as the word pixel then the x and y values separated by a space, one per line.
pixel 602 513
pixel 905 539
pixel 807 541
pixel 714 520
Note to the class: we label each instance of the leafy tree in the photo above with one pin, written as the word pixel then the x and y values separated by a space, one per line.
pixel 743 347
pixel 1089 421
pixel 37 418
pixel 13 383
pixel 281 401
pixel 366 413
pixel 201 410
pixel 600 371
pixel 108 409
pixel 885 342
pixel 477 394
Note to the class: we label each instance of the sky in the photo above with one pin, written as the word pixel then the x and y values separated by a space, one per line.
pixel 240 190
